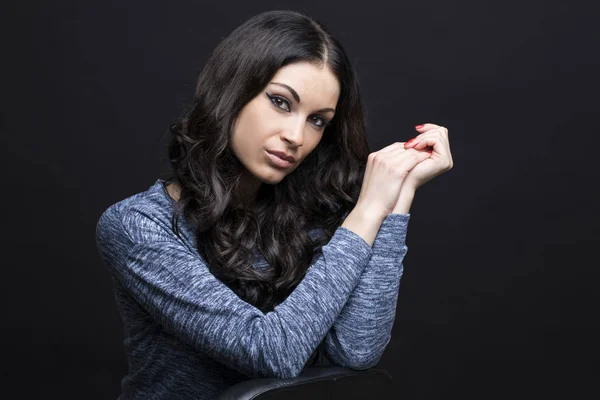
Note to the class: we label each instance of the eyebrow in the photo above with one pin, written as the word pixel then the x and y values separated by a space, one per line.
pixel 295 94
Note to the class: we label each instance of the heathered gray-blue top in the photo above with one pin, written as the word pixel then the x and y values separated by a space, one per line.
pixel 188 336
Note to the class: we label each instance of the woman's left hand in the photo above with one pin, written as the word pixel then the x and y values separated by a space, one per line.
pixel 440 160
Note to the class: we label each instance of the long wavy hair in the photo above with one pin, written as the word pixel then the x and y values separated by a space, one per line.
pixel 315 197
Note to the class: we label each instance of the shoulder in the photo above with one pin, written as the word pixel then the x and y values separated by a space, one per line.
pixel 143 217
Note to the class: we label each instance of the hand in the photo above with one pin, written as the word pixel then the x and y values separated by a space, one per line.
pixel 384 176
pixel 440 160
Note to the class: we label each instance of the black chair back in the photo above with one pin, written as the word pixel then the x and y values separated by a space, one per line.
pixel 315 383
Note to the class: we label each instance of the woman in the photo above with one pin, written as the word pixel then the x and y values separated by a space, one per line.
pixel 293 233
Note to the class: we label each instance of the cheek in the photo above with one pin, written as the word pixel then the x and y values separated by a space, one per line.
pixel 255 128
pixel 247 132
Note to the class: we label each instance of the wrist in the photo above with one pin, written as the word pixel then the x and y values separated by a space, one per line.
pixel 408 188
pixel 369 213
pixel 405 199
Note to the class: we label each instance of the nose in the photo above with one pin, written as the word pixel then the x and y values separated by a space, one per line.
pixel 294 131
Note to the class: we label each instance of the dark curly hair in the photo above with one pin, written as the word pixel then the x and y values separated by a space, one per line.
pixel 317 194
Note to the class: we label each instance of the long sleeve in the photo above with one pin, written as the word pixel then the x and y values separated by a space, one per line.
pixel 174 285
pixel 363 329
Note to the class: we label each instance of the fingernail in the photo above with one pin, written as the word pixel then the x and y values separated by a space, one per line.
pixel 409 142
pixel 419 126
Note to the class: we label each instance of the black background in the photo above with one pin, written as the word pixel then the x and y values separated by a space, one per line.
pixel 500 292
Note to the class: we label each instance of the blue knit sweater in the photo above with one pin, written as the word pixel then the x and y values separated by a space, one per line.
pixel 188 336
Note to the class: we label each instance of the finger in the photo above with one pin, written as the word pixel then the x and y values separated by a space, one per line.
pixel 430 140
pixel 426 127
pixel 429 127
pixel 412 160
pixel 439 132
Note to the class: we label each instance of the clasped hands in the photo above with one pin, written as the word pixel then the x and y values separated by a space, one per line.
pixel 434 139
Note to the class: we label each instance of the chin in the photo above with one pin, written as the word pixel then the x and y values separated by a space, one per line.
pixel 274 180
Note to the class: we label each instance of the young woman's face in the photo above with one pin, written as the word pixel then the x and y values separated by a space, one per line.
pixel 277 121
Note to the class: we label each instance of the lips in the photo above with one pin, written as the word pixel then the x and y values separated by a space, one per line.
pixel 281 154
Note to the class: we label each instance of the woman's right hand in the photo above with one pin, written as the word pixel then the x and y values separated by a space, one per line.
pixel 384 176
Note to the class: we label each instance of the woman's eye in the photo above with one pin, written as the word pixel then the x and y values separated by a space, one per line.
pixel 323 122
pixel 277 101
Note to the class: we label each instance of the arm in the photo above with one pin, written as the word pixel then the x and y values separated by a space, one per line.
pixel 363 329
pixel 174 285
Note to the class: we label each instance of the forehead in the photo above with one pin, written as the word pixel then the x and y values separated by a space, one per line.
pixel 315 85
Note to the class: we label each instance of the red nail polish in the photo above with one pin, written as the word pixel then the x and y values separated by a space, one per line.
pixel 409 142
pixel 419 126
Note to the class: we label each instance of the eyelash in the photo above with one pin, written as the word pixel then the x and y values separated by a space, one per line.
pixel 272 98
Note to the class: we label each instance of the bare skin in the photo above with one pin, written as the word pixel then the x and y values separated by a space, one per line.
pixel 174 190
